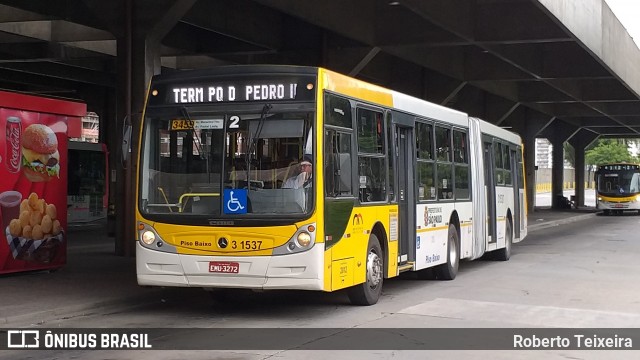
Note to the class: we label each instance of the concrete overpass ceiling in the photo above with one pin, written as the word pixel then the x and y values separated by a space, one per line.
pixel 491 58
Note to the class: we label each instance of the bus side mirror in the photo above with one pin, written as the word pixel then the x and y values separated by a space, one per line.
pixel 126 143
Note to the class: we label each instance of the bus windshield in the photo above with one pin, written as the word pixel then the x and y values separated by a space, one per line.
pixel 618 182
pixel 189 158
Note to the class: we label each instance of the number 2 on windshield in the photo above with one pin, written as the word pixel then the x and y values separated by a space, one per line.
pixel 233 122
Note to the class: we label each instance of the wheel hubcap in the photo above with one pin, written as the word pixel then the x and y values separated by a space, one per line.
pixel 453 252
pixel 374 270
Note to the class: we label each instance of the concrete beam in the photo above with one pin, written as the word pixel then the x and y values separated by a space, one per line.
pixel 78 12
pixel 541 92
pixel 337 16
pixel 191 62
pixel 365 61
pixel 539 27
pixel 457 16
pixel 200 41
pixel 608 40
pixel 243 20
pixel 13 14
pixel 56 70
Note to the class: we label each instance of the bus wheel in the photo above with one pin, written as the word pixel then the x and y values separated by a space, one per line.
pixel 368 292
pixel 449 270
pixel 505 253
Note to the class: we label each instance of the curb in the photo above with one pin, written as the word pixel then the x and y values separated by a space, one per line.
pixel 553 223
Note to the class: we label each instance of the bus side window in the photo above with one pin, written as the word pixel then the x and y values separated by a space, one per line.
pixel 337 163
pixel 497 151
pixel 372 171
pixel 425 170
pixel 461 169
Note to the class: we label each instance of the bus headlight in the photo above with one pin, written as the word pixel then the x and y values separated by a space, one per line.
pixel 304 239
pixel 599 198
pixel 148 237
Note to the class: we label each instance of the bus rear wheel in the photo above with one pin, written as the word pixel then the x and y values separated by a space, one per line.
pixel 505 253
pixel 449 270
pixel 369 292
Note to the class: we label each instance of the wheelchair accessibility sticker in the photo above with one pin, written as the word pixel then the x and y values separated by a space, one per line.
pixel 235 201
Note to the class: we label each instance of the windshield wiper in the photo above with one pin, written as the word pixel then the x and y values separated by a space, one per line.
pixel 253 142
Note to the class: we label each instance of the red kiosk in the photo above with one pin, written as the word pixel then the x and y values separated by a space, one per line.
pixel 33 179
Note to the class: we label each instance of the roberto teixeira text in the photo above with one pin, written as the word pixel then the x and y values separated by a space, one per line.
pixel 40 339
pixel 576 341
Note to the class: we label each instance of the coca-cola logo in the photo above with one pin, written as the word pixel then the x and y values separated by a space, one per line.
pixel 14 142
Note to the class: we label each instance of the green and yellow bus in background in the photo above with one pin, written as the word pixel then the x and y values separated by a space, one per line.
pixel 618 188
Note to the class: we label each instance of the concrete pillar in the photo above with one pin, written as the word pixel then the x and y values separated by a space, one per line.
pixel 529 140
pixel 580 141
pixel 529 127
pixel 138 61
pixel 557 170
pixel 557 134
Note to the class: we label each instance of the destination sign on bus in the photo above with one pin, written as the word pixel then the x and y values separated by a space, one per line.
pixel 204 124
pixel 245 90
pixel 618 167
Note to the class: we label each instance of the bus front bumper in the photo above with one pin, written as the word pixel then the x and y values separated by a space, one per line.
pixel 606 205
pixel 301 271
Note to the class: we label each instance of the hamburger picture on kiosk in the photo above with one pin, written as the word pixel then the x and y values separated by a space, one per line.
pixel 40 157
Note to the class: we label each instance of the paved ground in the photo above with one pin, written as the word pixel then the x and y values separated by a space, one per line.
pixel 580 275
pixel 96 279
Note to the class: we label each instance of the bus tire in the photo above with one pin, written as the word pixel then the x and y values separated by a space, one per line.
pixel 505 253
pixel 449 270
pixel 369 292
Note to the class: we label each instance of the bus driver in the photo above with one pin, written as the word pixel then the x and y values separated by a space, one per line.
pixel 302 180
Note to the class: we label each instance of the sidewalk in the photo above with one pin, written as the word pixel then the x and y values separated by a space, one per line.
pixel 95 280
pixel 542 218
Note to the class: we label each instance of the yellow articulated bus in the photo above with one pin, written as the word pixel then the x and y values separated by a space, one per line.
pixel 618 188
pixel 287 177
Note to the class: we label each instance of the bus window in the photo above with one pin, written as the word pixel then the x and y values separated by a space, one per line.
pixel 372 174
pixel 506 165
pixel 520 169
pixel 370 139
pixel 497 152
pixel 460 147
pixel 337 111
pixel 425 166
pixel 461 169
pixel 391 157
pixel 424 137
pixel 337 158
pixel 445 181
pixel 443 142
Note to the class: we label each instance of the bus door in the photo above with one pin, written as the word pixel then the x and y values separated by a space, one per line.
pixel 406 197
pixel 490 186
pixel 516 179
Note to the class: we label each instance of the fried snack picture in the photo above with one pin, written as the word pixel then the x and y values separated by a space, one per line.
pixel 37 221
pixel 36 233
